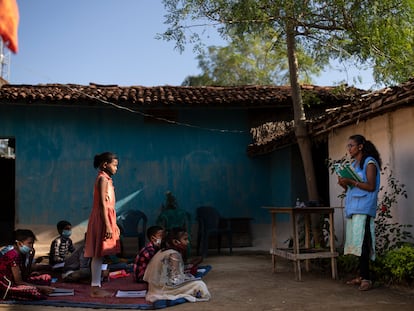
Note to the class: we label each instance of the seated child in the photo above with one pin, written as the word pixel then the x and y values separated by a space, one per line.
pixel 155 236
pixel 62 246
pixel 191 264
pixel 165 273
pixel 16 279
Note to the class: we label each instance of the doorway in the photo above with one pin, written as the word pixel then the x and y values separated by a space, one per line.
pixel 320 155
pixel 7 189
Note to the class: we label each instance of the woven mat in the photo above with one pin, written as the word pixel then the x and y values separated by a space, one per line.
pixel 82 299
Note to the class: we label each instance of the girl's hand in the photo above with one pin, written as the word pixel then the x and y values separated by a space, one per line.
pixel 108 233
pixel 45 289
pixel 343 182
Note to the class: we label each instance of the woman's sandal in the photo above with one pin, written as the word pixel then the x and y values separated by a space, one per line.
pixel 356 281
pixel 365 285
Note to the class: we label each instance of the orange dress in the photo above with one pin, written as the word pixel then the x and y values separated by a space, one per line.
pixel 95 244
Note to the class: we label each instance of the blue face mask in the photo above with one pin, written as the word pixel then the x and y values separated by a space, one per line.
pixel 66 233
pixel 24 249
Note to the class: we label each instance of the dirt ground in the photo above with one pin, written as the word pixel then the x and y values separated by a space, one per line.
pixel 244 281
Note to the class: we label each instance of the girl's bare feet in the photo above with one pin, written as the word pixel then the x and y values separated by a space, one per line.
pixel 98 292
pixel 365 285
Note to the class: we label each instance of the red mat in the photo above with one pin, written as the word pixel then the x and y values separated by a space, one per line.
pixel 82 298
pixel 82 291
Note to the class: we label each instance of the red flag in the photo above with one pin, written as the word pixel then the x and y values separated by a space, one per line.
pixel 9 21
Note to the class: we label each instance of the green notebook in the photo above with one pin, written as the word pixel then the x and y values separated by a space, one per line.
pixel 345 170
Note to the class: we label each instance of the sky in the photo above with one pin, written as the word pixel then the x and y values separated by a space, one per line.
pixel 111 42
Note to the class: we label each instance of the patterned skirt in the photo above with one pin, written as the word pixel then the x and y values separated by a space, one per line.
pixel 10 291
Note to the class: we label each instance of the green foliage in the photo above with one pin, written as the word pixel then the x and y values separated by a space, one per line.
pixel 348 264
pixel 387 42
pixel 377 33
pixel 389 234
pixel 310 99
pixel 251 60
pixel 396 266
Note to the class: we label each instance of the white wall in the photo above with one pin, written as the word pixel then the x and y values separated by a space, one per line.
pixel 392 135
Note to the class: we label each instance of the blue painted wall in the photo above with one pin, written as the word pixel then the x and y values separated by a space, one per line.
pixel 287 178
pixel 55 147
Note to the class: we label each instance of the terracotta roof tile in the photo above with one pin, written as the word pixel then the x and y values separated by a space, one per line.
pixel 362 107
pixel 240 96
pixel 244 97
pixel 365 107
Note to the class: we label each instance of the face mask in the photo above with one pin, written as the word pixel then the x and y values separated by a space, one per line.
pixel 157 242
pixel 66 233
pixel 24 249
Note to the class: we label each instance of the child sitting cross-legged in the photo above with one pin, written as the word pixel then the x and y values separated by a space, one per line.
pixel 62 246
pixel 17 282
pixel 155 235
pixel 165 272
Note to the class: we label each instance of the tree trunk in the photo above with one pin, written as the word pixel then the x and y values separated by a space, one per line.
pixel 304 142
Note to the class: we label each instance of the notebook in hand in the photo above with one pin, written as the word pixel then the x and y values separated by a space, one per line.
pixel 345 170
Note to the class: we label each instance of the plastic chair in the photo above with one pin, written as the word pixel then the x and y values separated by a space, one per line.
pixel 133 223
pixel 210 223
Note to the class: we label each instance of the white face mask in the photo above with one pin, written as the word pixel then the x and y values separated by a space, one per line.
pixel 157 242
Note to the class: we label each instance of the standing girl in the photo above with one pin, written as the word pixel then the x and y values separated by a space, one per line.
pixel 102 236
pixel 361 205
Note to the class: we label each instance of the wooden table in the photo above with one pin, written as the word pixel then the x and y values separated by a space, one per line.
pixel 296 254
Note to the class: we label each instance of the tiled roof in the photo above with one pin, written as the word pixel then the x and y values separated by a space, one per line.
pixel 366 107
pixel 361 108
pixel 161 96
